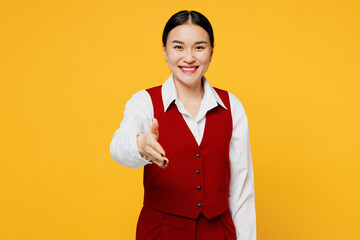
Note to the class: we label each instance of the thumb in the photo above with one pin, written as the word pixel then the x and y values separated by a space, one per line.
pixel 154 126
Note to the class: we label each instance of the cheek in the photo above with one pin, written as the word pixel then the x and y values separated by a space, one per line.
pixel 204 58
pixel 174 57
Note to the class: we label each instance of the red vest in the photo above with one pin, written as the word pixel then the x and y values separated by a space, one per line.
pixel 197 177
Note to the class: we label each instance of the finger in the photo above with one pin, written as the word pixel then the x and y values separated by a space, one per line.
pixel 165 162
pixel 157 158
pixel 154 156
pixel 156 146
pixel 155 127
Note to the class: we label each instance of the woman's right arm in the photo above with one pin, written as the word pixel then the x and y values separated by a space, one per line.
pixel 138 115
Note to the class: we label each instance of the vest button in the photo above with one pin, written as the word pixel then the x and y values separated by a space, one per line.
pixel 197 172
pixel 198 188
pixel 199 205
pixel 197 155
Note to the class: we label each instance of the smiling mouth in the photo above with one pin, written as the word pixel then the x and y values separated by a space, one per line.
pixel 188 69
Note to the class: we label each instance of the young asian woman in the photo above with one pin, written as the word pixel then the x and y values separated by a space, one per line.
pixel 192 140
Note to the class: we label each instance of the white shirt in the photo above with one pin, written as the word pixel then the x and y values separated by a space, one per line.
pixel 138 116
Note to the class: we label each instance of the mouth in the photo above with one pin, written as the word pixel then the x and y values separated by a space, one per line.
pixel 188 69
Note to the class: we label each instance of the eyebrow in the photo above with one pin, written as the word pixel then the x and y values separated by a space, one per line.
pixel 199 42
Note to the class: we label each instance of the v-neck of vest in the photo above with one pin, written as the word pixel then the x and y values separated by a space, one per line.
pixel 189 130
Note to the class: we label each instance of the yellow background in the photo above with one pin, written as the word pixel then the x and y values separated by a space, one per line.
pixel 67 69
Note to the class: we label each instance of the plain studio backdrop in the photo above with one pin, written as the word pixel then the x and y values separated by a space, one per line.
pixel 67 68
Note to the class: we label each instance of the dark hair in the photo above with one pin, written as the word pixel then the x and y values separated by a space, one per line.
pixel 183 17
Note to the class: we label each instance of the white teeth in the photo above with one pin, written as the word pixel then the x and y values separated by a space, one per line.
pixel 188 69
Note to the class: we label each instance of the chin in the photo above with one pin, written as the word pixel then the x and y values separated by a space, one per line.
pixel 189 80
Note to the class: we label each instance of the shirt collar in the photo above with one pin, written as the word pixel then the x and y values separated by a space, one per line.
pixel 169 94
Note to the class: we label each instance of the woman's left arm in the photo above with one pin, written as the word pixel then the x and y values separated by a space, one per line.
pixel 242 193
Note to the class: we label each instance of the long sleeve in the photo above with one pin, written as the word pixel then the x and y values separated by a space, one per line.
pixel 137 119
pixel 242 194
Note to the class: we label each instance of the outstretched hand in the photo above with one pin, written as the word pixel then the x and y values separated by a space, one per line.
pixel 148 145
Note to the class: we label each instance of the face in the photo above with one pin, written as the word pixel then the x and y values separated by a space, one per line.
pixel 188 52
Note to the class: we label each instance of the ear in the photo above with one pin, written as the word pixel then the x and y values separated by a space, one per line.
pixel 164 51
pixel 211 54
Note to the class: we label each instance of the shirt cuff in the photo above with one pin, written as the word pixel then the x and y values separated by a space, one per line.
pixel 134 152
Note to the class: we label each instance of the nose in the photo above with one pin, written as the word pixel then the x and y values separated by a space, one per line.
pixel 189 56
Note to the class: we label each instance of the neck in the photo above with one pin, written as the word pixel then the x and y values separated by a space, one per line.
pixel 189 92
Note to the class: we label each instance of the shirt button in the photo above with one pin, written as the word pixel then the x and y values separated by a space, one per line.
pixel 198 188
pixel 199 205
pixel 197 172
pixel 197 155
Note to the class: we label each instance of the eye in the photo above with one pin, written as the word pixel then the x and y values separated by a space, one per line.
pixel 178 47
pixel 199 47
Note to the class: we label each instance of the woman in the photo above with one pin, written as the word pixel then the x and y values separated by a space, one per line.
pixel 190 138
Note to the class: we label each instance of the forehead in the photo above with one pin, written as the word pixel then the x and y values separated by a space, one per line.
pixel 188 33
